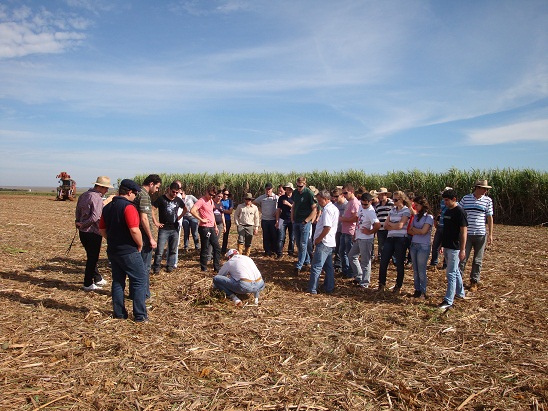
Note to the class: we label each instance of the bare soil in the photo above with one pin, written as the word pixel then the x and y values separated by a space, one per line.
pixel 354 350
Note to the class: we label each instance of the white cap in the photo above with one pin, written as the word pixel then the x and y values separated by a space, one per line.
pixel 231 252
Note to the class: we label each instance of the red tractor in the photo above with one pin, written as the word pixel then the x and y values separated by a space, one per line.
pixel 67 188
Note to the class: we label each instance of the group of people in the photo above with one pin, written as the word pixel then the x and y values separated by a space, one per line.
pixel 347 221
pixel 331 230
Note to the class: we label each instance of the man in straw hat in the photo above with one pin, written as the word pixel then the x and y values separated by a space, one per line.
pixel 88 213
pixel 247 219
pixel 479 209
pixel 239 275
pixel 382 208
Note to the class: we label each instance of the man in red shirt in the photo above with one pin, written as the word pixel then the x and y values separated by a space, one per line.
pixel 119 224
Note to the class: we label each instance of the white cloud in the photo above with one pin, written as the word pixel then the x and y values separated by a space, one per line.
pixel 536 130
pixel 24 32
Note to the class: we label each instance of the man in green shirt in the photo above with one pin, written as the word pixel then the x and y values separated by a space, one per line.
pixel 303 214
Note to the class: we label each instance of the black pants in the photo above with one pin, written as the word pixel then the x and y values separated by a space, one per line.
pixel 225 236
pixel 92 245
pixel 209 237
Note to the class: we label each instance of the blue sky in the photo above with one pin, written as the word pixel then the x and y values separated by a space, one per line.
pixel 120 88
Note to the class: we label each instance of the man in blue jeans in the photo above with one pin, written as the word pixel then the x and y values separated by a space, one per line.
pixel 239 275
pixel 302 215
pixel 455 227
pixel 119 225
pixel 142 202
pixel 168 215
pixel 324 240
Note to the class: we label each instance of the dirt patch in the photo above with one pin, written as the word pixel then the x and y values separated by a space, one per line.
pixel 354 350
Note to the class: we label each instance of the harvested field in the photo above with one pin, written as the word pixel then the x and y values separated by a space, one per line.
pixel 354 350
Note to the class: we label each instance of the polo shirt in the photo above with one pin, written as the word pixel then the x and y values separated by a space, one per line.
pixel 477 210
pixel 329 218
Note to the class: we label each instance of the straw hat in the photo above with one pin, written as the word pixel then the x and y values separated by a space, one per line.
pixel 373 193
pixel 249 196
pixel 383 190
pixel 314 189
pixel 103 181
pixel 289 185
pixel 482 184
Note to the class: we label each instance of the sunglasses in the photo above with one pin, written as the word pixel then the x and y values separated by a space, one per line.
pixel 345 193
pixel 300 186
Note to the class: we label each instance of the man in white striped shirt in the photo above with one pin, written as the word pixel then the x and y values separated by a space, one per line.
pixel 479 209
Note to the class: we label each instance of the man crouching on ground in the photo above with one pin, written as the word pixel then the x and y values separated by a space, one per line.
pixel 119 224
pixel 239 275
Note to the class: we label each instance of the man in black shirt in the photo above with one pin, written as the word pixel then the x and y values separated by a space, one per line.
pixel 455 227
pixel 168 206
pixel 283 220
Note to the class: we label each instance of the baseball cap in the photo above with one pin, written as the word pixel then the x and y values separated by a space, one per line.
pixel 130 185
pixel 231 252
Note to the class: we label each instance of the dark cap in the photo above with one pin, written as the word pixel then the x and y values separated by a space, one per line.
pixel 268 186
pixel 130 185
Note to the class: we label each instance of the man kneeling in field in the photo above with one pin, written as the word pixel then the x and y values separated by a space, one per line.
pixel 239 275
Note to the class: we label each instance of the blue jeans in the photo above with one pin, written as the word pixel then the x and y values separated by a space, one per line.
pixel 362 271
pixel 419 259
pixel 323 258
pixel 270 236
pixel 171 237
pixel 397 246
pixel 477 242
pixel 454 278
pixel 303 241
pixel 190 224
pixel 344 249
pixel 130 266
pixel 284 225
pixel 230 286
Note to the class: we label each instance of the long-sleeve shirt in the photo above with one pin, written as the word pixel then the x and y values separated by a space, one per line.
pixel 240 267
pixel 88 211
pixel 247 215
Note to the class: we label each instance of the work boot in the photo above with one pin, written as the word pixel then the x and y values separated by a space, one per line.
pixel 240 248
pixel 247 251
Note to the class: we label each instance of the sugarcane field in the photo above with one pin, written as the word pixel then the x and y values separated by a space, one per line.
pixel 353 349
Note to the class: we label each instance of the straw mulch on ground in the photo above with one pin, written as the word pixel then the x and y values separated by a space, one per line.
pixel 354 350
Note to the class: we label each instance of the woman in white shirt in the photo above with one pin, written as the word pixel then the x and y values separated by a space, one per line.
pixel 396 225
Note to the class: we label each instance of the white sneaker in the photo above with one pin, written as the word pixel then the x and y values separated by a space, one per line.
pixel 256 301
pixel 102 282
pixel 92 287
